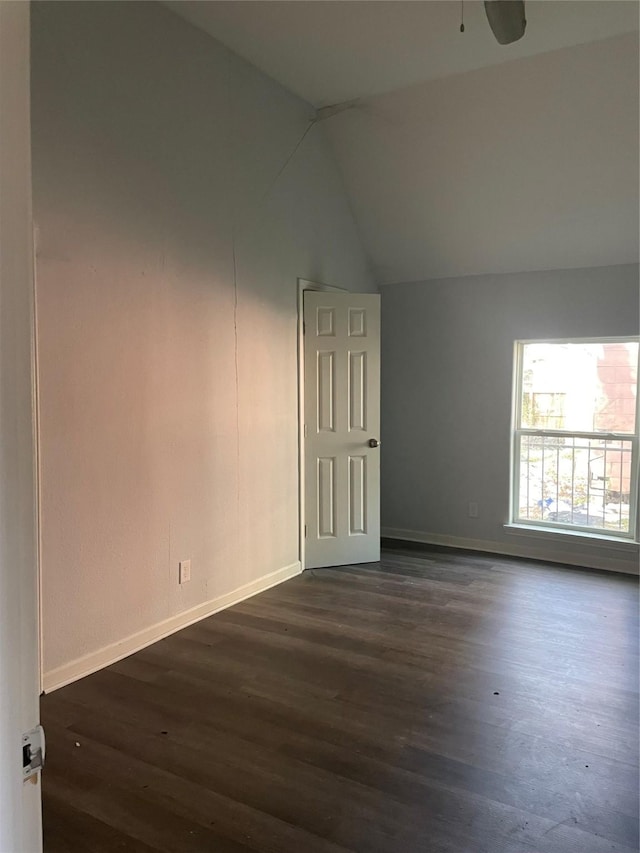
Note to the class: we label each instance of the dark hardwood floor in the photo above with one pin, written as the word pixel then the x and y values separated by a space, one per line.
pixel 437 701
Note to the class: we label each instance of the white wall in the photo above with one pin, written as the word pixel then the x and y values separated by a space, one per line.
pixel 20 822
pixel 160 441
pixel 527 165
pixel 447 366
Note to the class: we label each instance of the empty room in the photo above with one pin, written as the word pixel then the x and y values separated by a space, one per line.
pixel 319 427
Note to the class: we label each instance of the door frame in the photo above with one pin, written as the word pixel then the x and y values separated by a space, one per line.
pixel 20 801
pixel 37 457
pixel 304 284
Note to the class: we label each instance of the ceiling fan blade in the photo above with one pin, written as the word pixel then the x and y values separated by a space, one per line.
pixel 506 19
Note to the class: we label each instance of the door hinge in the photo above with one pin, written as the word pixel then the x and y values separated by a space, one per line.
pixel 305 430
pixel 33 749
pixel 305 531
pixel 304 328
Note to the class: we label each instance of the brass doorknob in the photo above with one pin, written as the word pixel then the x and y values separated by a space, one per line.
pixel 373 442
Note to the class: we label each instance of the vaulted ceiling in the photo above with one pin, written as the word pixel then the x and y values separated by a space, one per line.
pixel 462 156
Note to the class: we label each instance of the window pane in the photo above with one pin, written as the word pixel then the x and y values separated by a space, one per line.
pixel 571 480
pixel 579 387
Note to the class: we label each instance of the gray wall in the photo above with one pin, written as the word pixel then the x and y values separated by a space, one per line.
pixel 447 366
pixel 160 439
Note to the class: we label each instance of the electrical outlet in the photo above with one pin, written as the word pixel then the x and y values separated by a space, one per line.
pixel 473 509
pixel 184 571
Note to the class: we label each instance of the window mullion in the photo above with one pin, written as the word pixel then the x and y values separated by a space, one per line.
pixel 634 476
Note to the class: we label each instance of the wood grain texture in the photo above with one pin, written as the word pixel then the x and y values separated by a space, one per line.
pixel 436 702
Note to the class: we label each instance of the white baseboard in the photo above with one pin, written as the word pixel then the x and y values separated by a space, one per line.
pixel 94 661
pixel 580 556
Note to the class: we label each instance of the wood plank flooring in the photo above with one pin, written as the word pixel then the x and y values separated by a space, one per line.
pixel 436 702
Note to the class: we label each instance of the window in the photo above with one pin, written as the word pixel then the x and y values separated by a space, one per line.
pixel 575 441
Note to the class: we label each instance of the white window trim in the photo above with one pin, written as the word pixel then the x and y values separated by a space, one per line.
pixel 595 540
pixel 538 527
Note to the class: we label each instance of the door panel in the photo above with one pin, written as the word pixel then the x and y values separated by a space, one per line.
pixel 326 394
pixel 357 391
pixel 357 494
pixel 342 413
pixel 326 498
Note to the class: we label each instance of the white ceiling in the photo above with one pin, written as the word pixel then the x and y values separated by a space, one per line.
pixel 462 156
pixel 494 172
pixel 328 52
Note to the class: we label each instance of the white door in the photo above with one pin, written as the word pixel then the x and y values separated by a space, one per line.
pixel 342 428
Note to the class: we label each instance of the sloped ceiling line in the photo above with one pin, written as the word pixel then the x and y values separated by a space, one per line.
pixel 462 157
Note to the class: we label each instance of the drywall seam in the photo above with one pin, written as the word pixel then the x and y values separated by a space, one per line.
pixel 577 558
pixel 80 667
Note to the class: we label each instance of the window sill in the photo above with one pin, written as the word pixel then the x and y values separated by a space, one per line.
pixel 594 539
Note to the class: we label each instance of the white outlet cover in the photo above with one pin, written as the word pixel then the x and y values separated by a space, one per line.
pixel 184 571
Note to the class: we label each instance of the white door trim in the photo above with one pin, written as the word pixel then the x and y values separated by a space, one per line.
pixel 20 810
pixel 37 462
pixel 304 284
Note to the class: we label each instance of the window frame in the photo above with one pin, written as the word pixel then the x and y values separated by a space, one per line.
pixel 517 431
